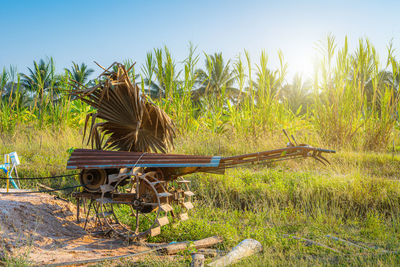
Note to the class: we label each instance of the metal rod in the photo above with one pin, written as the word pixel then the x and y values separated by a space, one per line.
pixel 77 209
pixel 87 214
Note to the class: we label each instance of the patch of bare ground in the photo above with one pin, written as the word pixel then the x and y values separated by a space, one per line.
pixel 46 228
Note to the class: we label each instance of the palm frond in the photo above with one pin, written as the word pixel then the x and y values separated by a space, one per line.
pixel 129 121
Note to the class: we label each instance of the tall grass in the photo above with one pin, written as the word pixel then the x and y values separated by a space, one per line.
pixel 47 106
pixel 356 100
pixel 355 96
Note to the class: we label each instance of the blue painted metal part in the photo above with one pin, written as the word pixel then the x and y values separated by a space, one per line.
pixel 213 163
pixel 4 168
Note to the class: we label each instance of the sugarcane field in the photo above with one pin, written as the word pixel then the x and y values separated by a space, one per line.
pixel 199 134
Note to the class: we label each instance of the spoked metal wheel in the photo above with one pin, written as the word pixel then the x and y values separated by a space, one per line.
pixel 133 210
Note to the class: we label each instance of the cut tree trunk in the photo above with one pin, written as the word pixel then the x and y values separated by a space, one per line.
pixel 244 249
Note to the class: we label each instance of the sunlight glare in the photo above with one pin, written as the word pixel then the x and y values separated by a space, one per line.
pixel 301 63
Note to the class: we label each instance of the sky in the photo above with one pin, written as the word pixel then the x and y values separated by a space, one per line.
pixel 108 31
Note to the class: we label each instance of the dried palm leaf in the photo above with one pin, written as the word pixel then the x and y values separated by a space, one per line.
pixel 129 121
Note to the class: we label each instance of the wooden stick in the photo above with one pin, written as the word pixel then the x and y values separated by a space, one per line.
pixel 311 242
pixel 366 246
pixel 99 65
pixel 345 241
pixel 131 67
pixel 203 243
pixel 45 186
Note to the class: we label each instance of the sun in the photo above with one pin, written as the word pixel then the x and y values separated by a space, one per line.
pixel 302 64
pixel 300 56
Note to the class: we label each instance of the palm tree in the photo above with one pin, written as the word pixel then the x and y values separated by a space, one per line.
pixel 3 81
pixel 154 89
pixel 12 92
pixel 297 94
pixel 163 68
pixel 216 79
pixel 268 82
pixel 375 90
pixel 80 73
pixel 41 79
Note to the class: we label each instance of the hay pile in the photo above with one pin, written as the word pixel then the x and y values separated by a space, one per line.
pixel 124 119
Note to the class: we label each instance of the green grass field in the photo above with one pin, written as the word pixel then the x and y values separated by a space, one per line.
pixel 240 105
pixel 356 198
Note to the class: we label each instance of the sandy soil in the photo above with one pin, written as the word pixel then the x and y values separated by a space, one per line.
pixel 46 228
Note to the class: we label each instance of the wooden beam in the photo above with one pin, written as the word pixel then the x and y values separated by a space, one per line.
pixel 202 243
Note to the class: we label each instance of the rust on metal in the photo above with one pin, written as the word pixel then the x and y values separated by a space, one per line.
pixel 132 180
pixel 96 159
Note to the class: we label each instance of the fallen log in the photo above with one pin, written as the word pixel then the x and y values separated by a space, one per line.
pixel 202 243
pixel 244 249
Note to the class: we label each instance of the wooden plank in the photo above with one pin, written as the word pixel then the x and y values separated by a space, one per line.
pixel 163 221
pixel 188 205
pixel 166 207
pixel 183 216
pixel 203 243
pixel 164 194
pixel 189 193
pixel 155 231
pixel 183 181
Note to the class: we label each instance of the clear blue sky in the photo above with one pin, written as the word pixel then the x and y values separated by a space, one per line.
pixel 108 31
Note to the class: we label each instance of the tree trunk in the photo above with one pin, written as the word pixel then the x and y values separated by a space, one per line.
pixel 244 249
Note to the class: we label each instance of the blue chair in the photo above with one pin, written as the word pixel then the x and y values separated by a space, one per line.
pixel 8 167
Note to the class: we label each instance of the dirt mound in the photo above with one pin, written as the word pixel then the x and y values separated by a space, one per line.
pixel 44 228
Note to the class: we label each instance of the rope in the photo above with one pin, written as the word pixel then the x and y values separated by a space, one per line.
pixel 144 153
pixel 134 166
pixel 41 191
pixel 40 178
